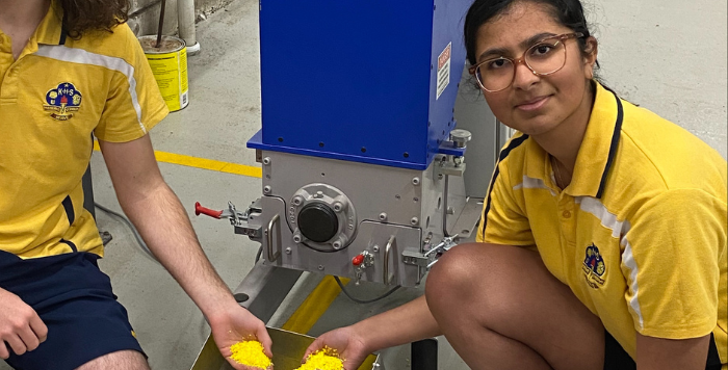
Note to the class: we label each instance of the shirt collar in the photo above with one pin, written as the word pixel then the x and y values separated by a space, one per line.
pixel 50 31
pixel 596 153
pixel 599 146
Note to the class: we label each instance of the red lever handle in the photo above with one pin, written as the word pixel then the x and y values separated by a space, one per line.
pixel 358 260
pixel 206 211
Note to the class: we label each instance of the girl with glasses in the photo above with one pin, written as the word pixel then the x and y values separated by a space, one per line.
pixel 602 243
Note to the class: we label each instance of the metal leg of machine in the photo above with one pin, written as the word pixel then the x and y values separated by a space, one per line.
pixel 424 354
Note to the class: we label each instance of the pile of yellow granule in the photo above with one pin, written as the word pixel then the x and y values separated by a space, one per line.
pixel 250 353
pixel 324 359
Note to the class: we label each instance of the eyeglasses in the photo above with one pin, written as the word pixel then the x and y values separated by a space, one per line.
pixel 546 57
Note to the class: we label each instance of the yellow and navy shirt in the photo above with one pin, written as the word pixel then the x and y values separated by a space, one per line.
pixel 640 233
pixel 52 98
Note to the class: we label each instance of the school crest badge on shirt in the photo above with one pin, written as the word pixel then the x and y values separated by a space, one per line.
pixel 63 101
pixel 594 267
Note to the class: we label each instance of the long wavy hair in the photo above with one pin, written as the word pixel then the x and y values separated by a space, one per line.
pixel 81 16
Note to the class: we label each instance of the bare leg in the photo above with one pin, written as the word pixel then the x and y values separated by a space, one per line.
pixel 501 309
pixel 121 360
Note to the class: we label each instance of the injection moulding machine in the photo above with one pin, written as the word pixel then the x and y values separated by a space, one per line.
pixel 363 166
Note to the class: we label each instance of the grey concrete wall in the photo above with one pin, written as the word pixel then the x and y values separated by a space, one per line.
pixel 668 56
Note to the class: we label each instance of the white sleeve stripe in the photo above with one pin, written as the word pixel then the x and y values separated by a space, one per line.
pixel 631 264
pixel 73 55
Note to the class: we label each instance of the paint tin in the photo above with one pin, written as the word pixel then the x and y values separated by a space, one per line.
pixel 169 66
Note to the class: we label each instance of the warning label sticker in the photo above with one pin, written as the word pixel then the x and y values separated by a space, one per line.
pixel 443 70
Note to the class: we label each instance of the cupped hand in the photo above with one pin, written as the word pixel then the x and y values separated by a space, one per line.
pixel 237 324
pixel 349 344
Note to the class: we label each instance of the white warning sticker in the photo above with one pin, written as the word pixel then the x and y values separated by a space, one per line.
pixel 443 70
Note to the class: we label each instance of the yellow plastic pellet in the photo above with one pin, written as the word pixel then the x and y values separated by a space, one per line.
pixel 324 359
pixel 250 353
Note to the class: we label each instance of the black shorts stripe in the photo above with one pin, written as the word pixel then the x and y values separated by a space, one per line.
pixel 503 154
pixel 70 244
pixel 68 206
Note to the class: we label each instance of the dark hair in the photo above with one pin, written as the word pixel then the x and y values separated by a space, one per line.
pixel 569 13
pixel 80 16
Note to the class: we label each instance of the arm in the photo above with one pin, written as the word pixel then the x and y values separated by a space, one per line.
pixel 672 260
pixel 404 324
pixel 413 322
pixel 163 224
pixel 668 354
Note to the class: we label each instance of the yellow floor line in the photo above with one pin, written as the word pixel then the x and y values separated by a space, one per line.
pixel 309 312
pixel 203 163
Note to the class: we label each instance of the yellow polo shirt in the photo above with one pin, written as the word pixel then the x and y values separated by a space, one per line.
pixel 52 98
pixel 639 235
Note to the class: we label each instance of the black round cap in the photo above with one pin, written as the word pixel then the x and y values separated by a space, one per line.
pixel 318 222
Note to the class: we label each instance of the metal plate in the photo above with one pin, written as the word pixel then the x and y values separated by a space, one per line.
pixel 372 236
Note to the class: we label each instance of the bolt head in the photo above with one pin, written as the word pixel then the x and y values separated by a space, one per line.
pixel 267 189
pixel 288 251
pixel 382 216
pixel 266 161
pixel 297 201
pixel 416 181
pixel 338 207
pixel 336 244
pixel 414 221
pixel 297 238
pixel 321 267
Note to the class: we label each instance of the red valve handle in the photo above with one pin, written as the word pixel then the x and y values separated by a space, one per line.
pixel 358 260
pixel 206 211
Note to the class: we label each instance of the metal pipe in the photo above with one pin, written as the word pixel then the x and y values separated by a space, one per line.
pixel 186 20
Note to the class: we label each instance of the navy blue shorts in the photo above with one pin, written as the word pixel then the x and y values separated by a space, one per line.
pixel 74 300
pixel 616 358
